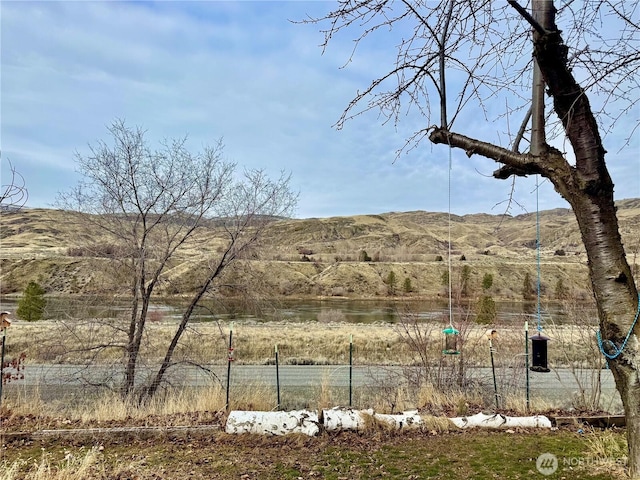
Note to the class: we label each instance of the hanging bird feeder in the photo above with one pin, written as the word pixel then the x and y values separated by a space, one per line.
pixel 539 353
pixel 451 341
pixel 5 322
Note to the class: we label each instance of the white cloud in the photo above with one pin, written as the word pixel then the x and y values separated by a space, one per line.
pixel 237 70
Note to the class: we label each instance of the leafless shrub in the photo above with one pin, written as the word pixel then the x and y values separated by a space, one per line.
pixel 287 288
pixel 425 340
pixel 98 250
pixel 508 365
pixel 578 349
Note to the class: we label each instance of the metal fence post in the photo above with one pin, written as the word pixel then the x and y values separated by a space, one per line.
pixel 526 358
pixel 229 360
pixel 350 369
pixel 277 377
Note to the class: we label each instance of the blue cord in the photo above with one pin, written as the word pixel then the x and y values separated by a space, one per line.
pixel 613 346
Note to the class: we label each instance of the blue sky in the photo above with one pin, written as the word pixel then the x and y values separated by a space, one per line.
pixel 240 71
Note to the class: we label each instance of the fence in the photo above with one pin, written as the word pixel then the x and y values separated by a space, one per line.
pixel 388 366
pixel 388 388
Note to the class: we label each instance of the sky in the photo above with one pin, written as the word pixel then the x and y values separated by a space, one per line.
pixel 242 72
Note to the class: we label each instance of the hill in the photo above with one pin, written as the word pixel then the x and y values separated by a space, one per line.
pixel 323 256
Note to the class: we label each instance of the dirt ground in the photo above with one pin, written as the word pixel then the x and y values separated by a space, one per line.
pixel 208 453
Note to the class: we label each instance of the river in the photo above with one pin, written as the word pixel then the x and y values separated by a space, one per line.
pixel 333 309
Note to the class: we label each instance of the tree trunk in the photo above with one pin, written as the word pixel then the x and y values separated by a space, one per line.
pixel 131 352
pixel 589 189
pixel 541 13
pixel 617 301
pixel 137 324
pixel 150 390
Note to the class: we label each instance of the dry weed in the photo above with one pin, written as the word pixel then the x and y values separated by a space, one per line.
pixel 606 453
pixel 74 466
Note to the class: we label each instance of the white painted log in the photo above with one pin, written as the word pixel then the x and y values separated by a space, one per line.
pixel 348 419
pixel 501 421
pixel 273 423
pixel 401 420
pixel 536 421
pixel 307 422
pixel 338 418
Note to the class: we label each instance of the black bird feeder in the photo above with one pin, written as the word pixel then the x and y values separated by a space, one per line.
pixel 539 353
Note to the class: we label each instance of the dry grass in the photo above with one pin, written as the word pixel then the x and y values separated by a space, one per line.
pixel 77 464
pixel 607 445
pixel 606 452
pixel 185 406
pixel 298 343
pixel 457 401
pixel 176 406
pixel 112 407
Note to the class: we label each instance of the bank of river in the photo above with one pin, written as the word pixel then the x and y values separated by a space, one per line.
pixel 302 310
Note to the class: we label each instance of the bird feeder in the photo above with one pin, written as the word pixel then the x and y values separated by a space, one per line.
pixel 4 320
pixel 450 341
pixel 539 353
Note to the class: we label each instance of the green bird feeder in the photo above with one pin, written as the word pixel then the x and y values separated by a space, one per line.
pixel 451 341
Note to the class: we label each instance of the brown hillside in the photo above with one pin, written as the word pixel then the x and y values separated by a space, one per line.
pixel 322 256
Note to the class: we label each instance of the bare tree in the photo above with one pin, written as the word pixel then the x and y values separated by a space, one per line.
pixel 152 204
pixel 475 50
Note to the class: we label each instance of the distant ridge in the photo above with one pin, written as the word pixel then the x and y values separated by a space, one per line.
pixel 322 256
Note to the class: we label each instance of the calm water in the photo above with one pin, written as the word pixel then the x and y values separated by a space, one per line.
pixel 335 309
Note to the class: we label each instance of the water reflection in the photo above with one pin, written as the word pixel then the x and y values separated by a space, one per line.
pixel 308 310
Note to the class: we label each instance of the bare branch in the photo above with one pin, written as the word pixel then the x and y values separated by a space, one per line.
pixel 523 164
pixel 527 16
pixel 14 194
pixel 521 131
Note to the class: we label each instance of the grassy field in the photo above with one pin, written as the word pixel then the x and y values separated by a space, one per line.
pixel 375 454
pixel 438 451
pixel 321 343
pixel 156 451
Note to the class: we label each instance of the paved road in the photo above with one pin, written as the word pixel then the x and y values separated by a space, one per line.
pixel 560 384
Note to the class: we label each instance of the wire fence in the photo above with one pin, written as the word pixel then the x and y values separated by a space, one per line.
pixel 391 388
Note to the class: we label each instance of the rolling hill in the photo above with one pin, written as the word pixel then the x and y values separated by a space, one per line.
pixel 323 256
